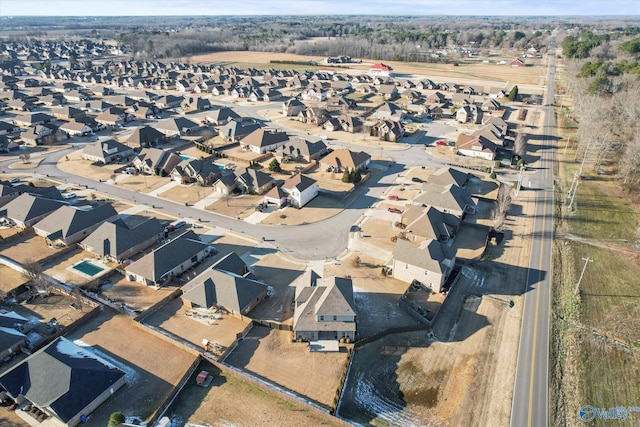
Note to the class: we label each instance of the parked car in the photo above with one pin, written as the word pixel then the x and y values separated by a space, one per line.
pixel 393 197
pixel 68 196
pixel 14 180
pixel 441 142
pixel 178 224
pixel 395 210
pixel 416 179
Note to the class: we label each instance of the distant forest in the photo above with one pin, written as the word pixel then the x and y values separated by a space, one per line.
pixel 398 38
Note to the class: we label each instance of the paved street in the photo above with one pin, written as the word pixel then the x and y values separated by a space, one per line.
pixel 530 405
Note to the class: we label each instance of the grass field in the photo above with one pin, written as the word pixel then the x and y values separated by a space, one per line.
pixel 596 331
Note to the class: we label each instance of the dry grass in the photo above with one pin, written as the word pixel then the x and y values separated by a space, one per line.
pixel 187 193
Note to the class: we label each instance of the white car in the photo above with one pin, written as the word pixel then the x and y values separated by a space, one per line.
pixel 14 180
pixel 68 196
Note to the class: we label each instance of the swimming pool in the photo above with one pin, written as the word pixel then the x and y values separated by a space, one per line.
pixel 183 157
pixel 87 268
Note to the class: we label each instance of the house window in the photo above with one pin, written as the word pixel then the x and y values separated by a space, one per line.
pixel 426 272
pixel 335 318
pixel 321 318
pixel 194 259
pixel 406 266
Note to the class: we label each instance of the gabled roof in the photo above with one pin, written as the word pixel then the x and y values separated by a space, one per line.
pixel 299 182
pixel 252 177
pixel 346 158
pixel 26 207
pixel 297 146
pixel 263 138
pixel 224 284
pixel 332 296
pixel 450 197
pixel 115 238
pixel 448 175
pixel 145 135
pixel 177 124
pixel 68 220
pixel 157 264
pixel 475 143
pixel 430 254
pixel 222 114
pixel 105 148
pixel 62 376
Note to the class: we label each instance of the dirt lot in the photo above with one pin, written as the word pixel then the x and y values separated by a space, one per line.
pixel 379 232
pixel 75 164
pixel 135 295
pixel 230 401
pixel 322 207
pixel 27 248
pixel 500 73
pixel 270 354
pixel 10 278
pixel 56 306
pixel 193 327
pixel 187 193
pixel 279 274
pixel 139 353
pixel 238 207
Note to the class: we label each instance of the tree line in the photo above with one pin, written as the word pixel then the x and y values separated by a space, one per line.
pixel 603 82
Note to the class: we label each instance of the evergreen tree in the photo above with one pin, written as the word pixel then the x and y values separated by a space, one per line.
pixel 513 94
pixel 346 176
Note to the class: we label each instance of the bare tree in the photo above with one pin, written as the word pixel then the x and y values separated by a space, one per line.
pixel 503 204
pixel 520 143
pixel 25 157
pixel 32 271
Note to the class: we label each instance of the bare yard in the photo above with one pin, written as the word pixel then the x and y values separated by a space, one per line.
pixel 238 207
pixel 231 401
pixel 10 278
pixel 322 207
pixel 153 366
pixel 187 193
pixel 27 248
pixel 270 354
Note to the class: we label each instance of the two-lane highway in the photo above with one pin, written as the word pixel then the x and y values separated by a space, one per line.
pixel 531 388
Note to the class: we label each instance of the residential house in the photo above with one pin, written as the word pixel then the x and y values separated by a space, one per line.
pixel 469 113
pixel 76 129
pixel 116 241
pixel 168 102
pixel 7 193
pixel 25 209
pixel 226 184
pixel 177 126
pixel 449 199
pixel 297 191
pixel 332 125
pixel 145 136
pixel 169 260
pixel 7 128
pixel 388 130
pixel 448 175
pixel 155 161
pixel 12 333
pixel 293 107
pixel 7 145
pixel 389 111
pixel 64 381
pixel 516 63
pixel 106 152
pixel 388 91
pixel 221 116
pixel 429 262
pixel 476 146
pixel 381 69
pixel 203 171
pixel 228 284
pixel 235 130
pixel 253 181
pixel 68 113
pixel 325 309
pixel 350 123
pixel 46 134
pixel 300 149
pixel 262 141
pixel 422 224
pixel 196 104
pixel 341 159
pixel 33 119
pixel 68 225
pixel 314 115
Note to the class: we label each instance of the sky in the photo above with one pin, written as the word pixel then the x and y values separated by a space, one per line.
pixel 317 7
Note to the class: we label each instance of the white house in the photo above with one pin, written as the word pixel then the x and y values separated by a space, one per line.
pixel 429 262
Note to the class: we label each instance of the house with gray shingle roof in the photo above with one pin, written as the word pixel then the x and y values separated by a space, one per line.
pixel 63 380
pixel 177 126
pixel 450 199
pixel 261 140
pixel 227 284
pixel 106 151
pixel 430 262
pixel 155 161
pixel 202 171
pixel 221 116
pixel 298 148
pixel 169 260
pixel 145 136
pixel 68 224
pixel 12 333
pixel 325 308
pixel 115 240
pixel 26 210
pixel 253 181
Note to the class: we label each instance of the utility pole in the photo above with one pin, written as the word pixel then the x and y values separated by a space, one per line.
pixel 519 179
pixel 586 260
pixel 573 195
